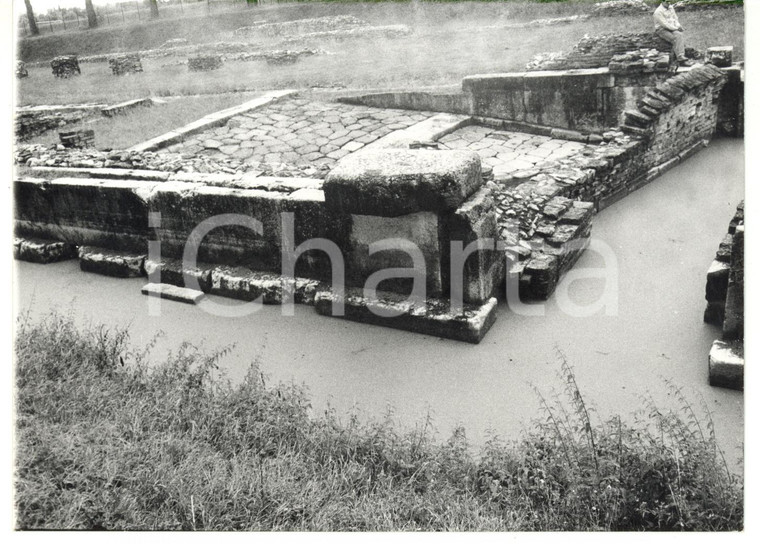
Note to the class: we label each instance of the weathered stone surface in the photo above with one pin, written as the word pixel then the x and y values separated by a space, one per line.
pixel 475 221
pixel 431 317
pixel 733 326
pixel 172 292
pixel 420 229
pixel 726 365
pixel 36 250
pixel 397 182
pixel 243 284
pixel 173 272
pixel 96 212
pixel 111 263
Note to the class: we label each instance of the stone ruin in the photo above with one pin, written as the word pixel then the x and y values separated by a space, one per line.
pixel 77 138
pixel 598 51
pixel 65 66
pixel 21 71
pixel 125 64
pixel 204 63
pixel 405 185
pixel 724 293
pixel 641 61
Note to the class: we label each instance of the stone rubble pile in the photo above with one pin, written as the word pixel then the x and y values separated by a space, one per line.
pixel 65 66
pixel 125 64
pixel 641 61
pixel 77 138
pixel 58 156
pixel 598 51
pixel 21 71
pixel 613 8
pixel 301 26
pixel 204 63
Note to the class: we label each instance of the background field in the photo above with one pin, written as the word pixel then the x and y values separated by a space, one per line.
pixel 448 42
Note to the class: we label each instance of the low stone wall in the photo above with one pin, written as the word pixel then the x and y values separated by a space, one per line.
pixel 724 292
pixel 65 66
pixel 114 221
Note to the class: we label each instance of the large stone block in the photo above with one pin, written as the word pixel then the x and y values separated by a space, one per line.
pixel 431 317
pixel 104 213
pixel 188 209
pixel 474 222
pixel 419 230
pixel 726 365
pixel 36 250
pixel 107 262
pixel 395 182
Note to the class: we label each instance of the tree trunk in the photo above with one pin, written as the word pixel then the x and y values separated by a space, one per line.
pixel 153 8
pixel 92 19
pixel 32 20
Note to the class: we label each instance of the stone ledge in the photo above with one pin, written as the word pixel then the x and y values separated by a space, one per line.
pixel 431 317
pixel 243 284
pixel 107 262
pixel 38 250
pixel 394 182
pixel 726 365
pixel 209 121
pixel 172 292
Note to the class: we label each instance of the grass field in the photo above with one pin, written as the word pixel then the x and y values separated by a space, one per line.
pixel 449 41
pixel 141 124
pixel 104 443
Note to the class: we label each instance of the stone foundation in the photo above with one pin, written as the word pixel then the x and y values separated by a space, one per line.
pixel 125 64
pixel 724 292
pixel 77 138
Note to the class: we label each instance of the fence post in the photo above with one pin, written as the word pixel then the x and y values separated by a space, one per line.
pixel 50 24
pixel 138 10
pixel 63 18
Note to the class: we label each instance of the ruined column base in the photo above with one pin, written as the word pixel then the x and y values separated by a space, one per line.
pixel 726 365
pixel 38 250
pixel 432 317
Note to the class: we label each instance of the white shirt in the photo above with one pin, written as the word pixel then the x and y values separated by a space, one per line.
pixel 666 18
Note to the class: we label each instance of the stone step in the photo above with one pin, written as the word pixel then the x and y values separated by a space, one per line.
pixel 39 250
pixel 108 262
pixel 432 317
pixel 637 119
pixel 172 292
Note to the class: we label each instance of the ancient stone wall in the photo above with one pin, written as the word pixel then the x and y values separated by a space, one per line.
pixel 724 292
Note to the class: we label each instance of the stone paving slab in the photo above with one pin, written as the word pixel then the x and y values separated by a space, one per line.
pixel 507 152
pixel 172 292
pixel 211 120
pixel 299 132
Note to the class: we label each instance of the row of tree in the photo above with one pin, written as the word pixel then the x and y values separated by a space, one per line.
pixel 92 19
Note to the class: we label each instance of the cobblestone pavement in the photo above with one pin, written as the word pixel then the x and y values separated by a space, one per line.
pixel 508 152
pixel 299 132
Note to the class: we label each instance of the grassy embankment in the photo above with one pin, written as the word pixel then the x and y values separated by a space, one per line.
pixel 104 443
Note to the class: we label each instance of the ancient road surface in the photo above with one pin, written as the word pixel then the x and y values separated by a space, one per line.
pixel 299 132
pixel 663 238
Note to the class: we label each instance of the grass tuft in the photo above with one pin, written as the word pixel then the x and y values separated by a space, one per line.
pixel 104 442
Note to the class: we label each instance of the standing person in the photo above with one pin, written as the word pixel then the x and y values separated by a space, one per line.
pixel 667 27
